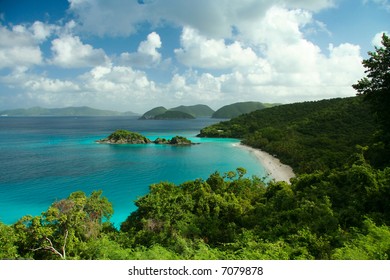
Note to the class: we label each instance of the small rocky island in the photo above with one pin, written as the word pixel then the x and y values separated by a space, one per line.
pixel 122 136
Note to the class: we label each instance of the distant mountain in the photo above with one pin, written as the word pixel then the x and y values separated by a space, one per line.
pixel 154 112
pixel 173 115
pixel 236 109
pixel 67 111
pixel 195 111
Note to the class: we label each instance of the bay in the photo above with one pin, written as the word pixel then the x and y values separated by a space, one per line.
pixel 44 159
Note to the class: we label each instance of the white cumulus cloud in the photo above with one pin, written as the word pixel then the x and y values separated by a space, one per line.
pixel 70 52
pixel 118 87
pixel 228 51
pixel 198 51
pixel 50 85
pixel 147 54
pixel 285 68
pixel 19 47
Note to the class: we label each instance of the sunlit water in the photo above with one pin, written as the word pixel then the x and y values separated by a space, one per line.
pixel 44 159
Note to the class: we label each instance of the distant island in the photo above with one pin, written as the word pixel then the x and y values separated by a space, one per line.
pixel 158 113
pixel 122 136
pixel 180 112
pixel 198 111
pixel 67 111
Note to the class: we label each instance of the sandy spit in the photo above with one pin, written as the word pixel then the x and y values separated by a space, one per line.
pixel 275 169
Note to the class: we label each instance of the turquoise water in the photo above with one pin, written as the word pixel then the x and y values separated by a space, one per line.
pixel 43 159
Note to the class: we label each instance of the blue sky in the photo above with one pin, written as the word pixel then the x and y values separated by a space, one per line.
pixel 135 55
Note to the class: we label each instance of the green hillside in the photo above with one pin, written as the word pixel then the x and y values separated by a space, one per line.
pixel 153 112
pixel 195 110
pixel 67 111
pixel 236 109
pixel 173 115
pixel 308 136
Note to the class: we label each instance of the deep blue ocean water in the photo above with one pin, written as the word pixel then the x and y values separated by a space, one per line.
pixel 44 159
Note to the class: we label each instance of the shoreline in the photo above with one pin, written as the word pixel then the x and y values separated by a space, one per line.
pixel 275 169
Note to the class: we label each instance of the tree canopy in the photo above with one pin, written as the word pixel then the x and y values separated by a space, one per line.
pixel 376 85
pixel 341 213
pixel 64 228
pixel 375 88
pixel 308 136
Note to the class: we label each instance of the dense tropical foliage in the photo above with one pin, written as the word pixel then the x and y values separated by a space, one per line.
pixel 173 115
pixel 375 88
pixel 122 136
pixel 338 207
pixel 338 214
pixel 308 136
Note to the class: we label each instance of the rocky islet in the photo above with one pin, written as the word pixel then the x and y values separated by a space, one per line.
pixel 122 136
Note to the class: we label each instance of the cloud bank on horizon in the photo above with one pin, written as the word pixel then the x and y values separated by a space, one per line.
pixel 134 55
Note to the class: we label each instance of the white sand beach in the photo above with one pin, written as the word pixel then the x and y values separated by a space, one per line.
pixel 275 169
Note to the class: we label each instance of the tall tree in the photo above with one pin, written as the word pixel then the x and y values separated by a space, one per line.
pixel 65 228
pixel 375 87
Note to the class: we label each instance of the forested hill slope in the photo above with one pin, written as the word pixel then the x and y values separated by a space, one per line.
pixel 308 136
pixel 236 109
pixel 194 111
pixel 197 111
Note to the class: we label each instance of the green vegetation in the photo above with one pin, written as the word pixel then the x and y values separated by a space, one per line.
pixel 196 110
pixel 338 214
pixel 172 115
pixel 375 88
pixel 181 112
pixel 176 140
pixel 307 136
pixel 236 109
pixel 64 231
pixel 68 111
pixel 153 112
pixel 122 136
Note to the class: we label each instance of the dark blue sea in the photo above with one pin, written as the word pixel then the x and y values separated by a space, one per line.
pixel 44 159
